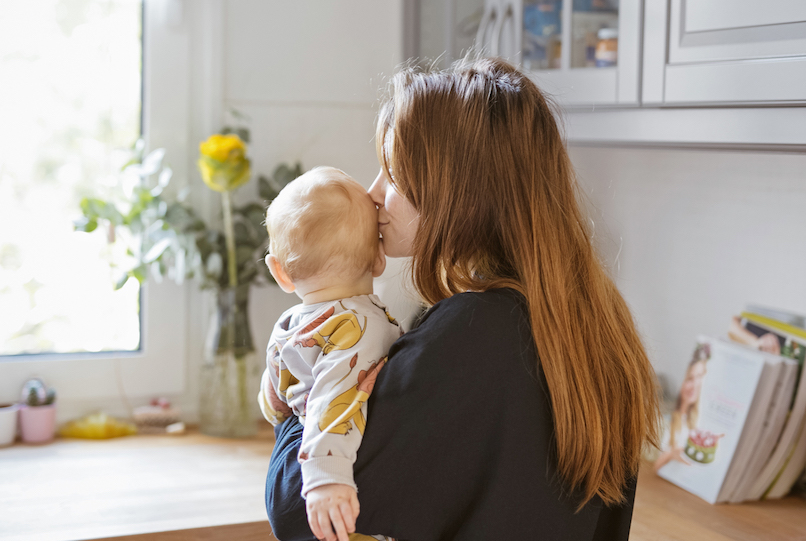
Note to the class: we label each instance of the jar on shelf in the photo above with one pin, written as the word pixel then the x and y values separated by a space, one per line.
pixel 607 48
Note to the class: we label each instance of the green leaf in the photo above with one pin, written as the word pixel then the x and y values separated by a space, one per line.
pixel 121 281
pixel 153 162
pixel 94 208
pixel 242 235
pixel 285 174
pixel 157 250
pixel 137 154
pixel 244 134
pixel 178 216
pixel 265 189
pixel 257 219
pixel 162 181
pixel 140 273
pixel 143 199
pixel 85 224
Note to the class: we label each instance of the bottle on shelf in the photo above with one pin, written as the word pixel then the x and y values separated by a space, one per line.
pixel 607 48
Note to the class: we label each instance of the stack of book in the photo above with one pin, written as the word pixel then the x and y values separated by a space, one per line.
pixel 738 429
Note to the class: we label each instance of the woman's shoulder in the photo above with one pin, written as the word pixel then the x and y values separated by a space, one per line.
pixel 468 330
pixel 478 310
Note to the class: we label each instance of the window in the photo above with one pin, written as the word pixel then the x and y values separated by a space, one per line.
pixel 71 106
pixel 178 48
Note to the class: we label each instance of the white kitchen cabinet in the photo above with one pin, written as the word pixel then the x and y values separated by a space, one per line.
pixel 724 52
pixel 554 41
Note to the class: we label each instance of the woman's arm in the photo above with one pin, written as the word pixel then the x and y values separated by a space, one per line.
pixel 284 503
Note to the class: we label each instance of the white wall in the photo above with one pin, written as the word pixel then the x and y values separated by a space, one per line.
pixel 692 236
pixel 309 75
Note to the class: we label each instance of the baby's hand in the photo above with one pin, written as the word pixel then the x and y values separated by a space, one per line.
pixel 336 504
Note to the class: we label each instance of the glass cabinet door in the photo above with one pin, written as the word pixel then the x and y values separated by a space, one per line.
pixel 582 52
pixel 541 47
pixel 593 31
pixel 594 34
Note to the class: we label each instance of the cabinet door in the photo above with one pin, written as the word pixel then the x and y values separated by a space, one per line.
pixel 556 42
pixel 724 52
pixel 499 30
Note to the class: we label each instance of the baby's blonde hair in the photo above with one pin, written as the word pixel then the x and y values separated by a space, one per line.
pixel 323 223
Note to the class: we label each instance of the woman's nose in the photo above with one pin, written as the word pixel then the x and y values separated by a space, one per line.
pixel 376 190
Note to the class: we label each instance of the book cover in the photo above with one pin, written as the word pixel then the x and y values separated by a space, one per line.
pixel 707 424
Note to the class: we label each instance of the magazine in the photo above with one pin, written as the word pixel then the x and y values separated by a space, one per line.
pixel 724 383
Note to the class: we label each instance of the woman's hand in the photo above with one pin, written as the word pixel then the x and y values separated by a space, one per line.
pixel 332 507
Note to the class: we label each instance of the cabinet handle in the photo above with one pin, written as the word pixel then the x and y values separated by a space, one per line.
pixel 490 15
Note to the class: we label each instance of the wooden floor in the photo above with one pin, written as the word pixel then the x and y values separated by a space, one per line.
pixel 666 512
pixel 86 489
pixel 195 487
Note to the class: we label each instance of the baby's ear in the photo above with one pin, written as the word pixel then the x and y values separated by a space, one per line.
pixel 279 274
pixel 380 261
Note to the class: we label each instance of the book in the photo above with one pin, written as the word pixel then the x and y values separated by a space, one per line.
pixel 792 470
pixel 763 425
pixel 789 318
pixel 764 438
pixel 790 449
pixel 721 409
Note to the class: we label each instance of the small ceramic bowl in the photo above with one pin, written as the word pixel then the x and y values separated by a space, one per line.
pixel 8 423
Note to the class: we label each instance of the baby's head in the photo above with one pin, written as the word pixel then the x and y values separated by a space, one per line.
pixel 323 229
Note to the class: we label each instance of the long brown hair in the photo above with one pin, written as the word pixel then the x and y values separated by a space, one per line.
pixel 477 151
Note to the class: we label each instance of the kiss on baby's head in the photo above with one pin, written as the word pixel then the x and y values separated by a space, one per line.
pixel 323 223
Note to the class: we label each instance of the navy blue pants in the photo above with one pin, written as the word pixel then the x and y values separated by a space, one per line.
pixel 284 506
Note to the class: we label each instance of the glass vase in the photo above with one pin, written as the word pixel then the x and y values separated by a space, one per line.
pixel 230 376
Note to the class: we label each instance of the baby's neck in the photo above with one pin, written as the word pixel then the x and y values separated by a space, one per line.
pixel 313 293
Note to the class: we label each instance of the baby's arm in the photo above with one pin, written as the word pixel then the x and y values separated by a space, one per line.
pixel 335 418
pixel 273 405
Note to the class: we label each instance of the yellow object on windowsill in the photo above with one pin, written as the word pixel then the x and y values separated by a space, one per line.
pixel 97 426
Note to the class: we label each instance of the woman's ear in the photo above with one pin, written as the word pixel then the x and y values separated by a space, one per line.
pixel 380 261
pixel 279 274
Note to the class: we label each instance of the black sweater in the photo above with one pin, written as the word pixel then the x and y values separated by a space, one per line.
pixel 459 440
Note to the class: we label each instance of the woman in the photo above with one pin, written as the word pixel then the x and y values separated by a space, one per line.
pixel 686 410
pixel 519 406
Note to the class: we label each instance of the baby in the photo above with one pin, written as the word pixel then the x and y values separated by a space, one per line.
pixel 325 354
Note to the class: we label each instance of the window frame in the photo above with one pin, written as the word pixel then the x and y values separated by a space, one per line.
pixel 105 380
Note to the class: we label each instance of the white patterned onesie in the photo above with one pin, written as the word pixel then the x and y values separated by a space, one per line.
pixel 321 364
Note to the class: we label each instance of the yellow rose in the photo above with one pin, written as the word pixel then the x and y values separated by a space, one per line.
pixel 220 147
pixel 223 163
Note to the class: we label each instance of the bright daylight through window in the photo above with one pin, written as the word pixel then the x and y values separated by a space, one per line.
pixel 70 101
